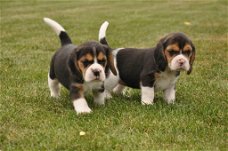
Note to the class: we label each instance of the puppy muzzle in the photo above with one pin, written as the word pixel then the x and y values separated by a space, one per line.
pixel 95 72
pixel 178 63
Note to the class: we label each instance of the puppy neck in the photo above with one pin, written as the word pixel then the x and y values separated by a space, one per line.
pixel 168 71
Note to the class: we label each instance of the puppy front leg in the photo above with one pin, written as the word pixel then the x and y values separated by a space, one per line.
pixel 79 102
pixel 118 89
pixel 147 90
pixel 169 95
pixel 99 97
pixel 147 95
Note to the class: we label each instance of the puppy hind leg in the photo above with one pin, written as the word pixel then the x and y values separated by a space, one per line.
pixel 99 97
pixel 108 94
pixel 54 87
pixel 118 89
pixel 110 83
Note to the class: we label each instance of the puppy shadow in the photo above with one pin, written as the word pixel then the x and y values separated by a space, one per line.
pixel 134 96
pixel 131 98
pixel 63 102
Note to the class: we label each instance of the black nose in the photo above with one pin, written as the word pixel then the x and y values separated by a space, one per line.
pixel 96 73
pixel 181 63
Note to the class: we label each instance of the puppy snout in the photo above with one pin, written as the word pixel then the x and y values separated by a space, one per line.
pixel 181 61
pixel 96 72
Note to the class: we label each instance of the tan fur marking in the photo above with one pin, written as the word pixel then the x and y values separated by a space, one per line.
pixel 121 82
pixel 81 89
pixel 100 56
pixel 89 57
pixel 173 47
pixel 157 75
pixel 187 47
pixel 81 66
pixel 168 57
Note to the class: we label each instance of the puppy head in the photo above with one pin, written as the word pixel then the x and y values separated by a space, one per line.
pixel 175 51
pixel 91 60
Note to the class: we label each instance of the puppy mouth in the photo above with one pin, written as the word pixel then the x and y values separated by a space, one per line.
pixel 182 68
pixel 97 79
pixel 179 68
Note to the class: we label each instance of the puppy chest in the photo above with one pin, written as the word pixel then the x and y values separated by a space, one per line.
pixel 165 80
pixel 94 85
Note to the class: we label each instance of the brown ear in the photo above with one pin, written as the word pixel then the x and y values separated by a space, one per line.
pixel 192 58
pixel 110 60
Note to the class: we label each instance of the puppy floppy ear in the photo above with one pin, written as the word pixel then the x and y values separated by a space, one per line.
pixel 110 58
pixel 159 55
pixel 72 63
pixel 192 58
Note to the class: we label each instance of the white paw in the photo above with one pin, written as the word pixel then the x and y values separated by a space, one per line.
pixel 54 87
pixel 147 97
pixel 99 101
pixel 170 101
pixel 169 95
pixel 108 95
pixel 86 110
pixel 81 106
pixel 147 102
pixel 99 98
pixel 55 95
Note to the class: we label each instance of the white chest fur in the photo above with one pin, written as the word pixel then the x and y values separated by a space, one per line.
pixel 165 80
pixel 94 85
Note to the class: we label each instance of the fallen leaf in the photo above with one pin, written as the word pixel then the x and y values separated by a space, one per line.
pixel 187 23
pixel 82 133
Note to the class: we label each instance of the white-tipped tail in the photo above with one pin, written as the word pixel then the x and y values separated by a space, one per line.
pixel 102 31
pixel 54 25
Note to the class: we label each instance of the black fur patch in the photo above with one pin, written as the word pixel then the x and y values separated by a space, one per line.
pixel 130 63
pixel 63 65
pixel 104 41
pixel 64 38
pixel 140 65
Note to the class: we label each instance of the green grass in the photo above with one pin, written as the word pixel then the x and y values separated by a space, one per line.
pixel 31 120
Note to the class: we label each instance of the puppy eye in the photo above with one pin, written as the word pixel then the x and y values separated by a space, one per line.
pixel 172 52
pixel 187 53
pixel 86 63
pixel 102 62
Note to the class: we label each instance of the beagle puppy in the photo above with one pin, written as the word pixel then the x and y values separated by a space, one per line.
pixel 80 68
pixel 152 69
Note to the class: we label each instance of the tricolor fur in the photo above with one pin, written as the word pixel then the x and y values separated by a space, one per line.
pixel 152 68
pixel 79 68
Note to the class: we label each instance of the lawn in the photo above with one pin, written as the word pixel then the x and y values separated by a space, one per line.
pixel 31 120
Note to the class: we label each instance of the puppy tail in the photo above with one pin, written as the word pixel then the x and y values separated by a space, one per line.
pixel 59 30
pixel 102 33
